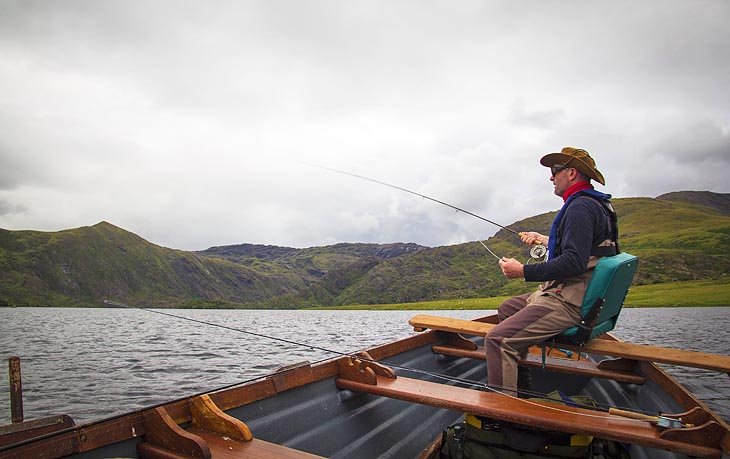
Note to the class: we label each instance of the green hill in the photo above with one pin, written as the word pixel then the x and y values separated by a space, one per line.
pixel 86 265
pixel 680 236
pixel 675 239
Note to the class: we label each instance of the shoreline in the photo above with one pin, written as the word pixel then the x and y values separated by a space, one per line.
pixel 699 293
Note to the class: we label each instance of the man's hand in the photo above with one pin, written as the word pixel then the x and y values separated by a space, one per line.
pixel 511 268
pixel 531 237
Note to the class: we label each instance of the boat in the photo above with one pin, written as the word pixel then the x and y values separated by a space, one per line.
pixel 396 400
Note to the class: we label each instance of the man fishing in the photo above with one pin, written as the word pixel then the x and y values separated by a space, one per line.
pixel 583 231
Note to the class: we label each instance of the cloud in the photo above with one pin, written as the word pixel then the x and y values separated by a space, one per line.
pixel 7 208
pixel 540 119
pixel 185 124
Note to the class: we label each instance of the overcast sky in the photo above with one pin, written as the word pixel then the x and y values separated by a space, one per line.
pixel 188 122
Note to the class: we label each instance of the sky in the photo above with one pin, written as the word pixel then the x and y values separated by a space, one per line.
pixel 196 123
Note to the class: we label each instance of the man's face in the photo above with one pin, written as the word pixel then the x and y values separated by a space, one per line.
pixel 561 179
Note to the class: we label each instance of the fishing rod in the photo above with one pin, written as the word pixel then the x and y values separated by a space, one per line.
pixel 537 252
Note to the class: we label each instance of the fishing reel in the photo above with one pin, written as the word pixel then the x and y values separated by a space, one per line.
pixel 538 252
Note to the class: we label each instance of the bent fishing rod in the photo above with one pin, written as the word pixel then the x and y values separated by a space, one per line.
pixel 537 252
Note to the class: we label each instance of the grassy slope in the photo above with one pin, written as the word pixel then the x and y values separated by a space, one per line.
pixel 677 240
pixel 688 293
pixel 83 266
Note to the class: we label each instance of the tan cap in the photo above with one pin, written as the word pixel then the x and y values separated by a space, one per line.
pixel 577 158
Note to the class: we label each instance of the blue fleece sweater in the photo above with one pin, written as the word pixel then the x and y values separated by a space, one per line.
pixel 583 226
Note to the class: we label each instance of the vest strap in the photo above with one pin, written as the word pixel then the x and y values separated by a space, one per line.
pixel 604 251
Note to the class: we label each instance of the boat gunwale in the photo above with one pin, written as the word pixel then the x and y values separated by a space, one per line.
pixel 130 425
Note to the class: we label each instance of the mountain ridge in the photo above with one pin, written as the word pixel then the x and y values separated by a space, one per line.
pixel 678 236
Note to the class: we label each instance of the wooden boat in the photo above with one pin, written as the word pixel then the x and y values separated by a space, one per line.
pixel 396 400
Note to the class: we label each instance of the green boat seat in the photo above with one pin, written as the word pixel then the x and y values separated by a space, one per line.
pixel 603 299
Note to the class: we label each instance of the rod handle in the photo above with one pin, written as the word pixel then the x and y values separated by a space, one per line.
pixel 632 415
pixel 535 242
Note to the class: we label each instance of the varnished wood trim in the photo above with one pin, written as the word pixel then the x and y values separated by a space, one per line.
pixel 209 417
pixel 539 415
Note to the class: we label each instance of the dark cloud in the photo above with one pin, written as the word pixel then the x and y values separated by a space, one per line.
pixel 11 173
pixel 701 141
pixel 7 208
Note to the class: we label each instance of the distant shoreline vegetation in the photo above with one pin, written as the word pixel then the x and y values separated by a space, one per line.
pixel 700 293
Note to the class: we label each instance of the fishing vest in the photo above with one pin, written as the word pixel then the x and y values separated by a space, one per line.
pixel 609 246
pixel 572 290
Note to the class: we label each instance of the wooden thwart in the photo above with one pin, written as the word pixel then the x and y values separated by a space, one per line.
pixel 582 367
pixel 701 441
pixel 597 346
pixel 213 434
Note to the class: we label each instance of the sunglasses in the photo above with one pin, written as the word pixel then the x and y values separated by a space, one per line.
pixel 554 169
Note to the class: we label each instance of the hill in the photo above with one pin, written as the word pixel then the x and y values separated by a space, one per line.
pixel 678 236
pixel 677 239
pixel 84 266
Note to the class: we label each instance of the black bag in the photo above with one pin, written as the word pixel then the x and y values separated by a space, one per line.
pixel 482 438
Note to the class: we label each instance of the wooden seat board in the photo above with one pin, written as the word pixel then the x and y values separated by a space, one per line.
pixel 537 415
pixel 222 447
pixel 643 352
pixel 577 367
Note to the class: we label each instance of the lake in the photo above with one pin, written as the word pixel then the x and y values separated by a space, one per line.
pixel 95 363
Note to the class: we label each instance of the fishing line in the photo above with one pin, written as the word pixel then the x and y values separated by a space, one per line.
pixel 283 340
pixel 458 209
pixel 537 252
pixel 463 381
pixel 480 241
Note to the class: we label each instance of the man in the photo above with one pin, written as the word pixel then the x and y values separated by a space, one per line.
pixel 584 230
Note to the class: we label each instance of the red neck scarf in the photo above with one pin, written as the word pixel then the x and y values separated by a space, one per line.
pixel 576 187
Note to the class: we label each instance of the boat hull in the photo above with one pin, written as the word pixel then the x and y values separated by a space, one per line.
pixel 303 409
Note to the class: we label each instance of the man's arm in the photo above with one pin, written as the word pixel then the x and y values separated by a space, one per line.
pixel 577 240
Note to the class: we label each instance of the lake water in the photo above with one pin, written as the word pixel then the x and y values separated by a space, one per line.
pixel 95 363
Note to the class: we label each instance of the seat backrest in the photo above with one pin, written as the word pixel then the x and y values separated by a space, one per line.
pixel 609 285
pixel 611 280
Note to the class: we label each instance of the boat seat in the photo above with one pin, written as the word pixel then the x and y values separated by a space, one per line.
pixel 603 299
pixel 607 369
pixel 605 347
pixel 374 379
pixel 212 434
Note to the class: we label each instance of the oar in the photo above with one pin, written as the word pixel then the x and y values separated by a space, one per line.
pixel 632 351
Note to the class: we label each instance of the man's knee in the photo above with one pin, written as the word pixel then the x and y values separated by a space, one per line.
pixel 511 306
pixel 502 311
pixel 492 341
